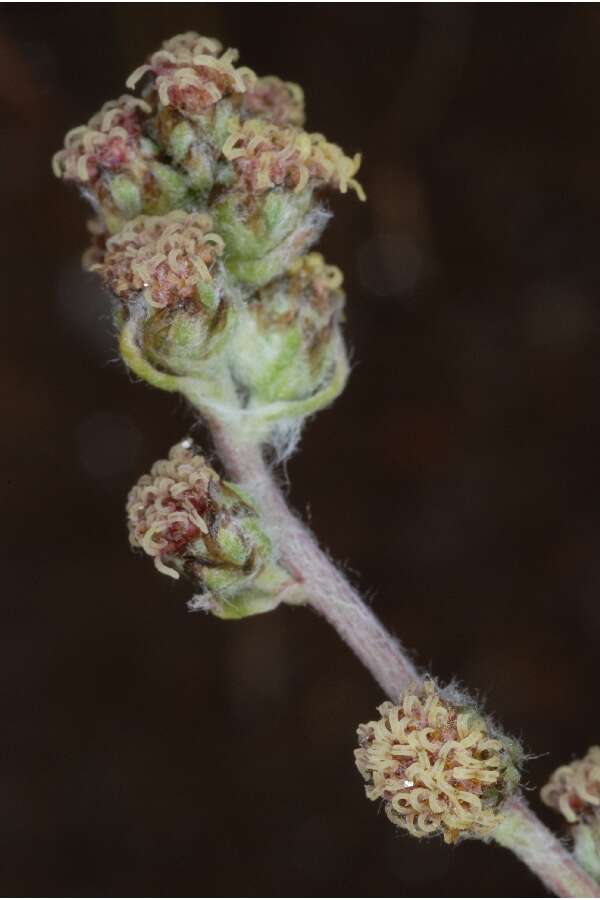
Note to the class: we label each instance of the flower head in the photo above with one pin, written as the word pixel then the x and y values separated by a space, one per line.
pixel 268 213
pixel 191 74
pixel 111 141
pixel 167 273
pixel 165 509
pixel 191 522
pixel 117 166
pixel 165 258
pixel 285 342
pixel 265 155
pixel 436 765
pixel 574 789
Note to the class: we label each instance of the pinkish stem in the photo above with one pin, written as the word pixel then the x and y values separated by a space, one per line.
pixel 329 593
pixel 327 590
pixel 523 833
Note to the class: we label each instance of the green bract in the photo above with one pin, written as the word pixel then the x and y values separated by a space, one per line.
pixel 287 336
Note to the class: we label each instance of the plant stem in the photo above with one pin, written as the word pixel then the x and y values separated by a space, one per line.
pixel 331 595
pixel 329 592
pixel 535 845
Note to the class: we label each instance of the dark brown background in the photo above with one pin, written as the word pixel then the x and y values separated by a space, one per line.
pixel 147 751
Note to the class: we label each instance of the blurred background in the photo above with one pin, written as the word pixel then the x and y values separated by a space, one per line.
pixel 147 751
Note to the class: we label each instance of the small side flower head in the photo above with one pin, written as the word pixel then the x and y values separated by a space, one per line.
pixel 193 523
pixel 170 265
pixel 267 214
pixel 165 258
pixel 574 789
pixel 265 155
pixel 284 346
pixel 437 765
pixel 117 166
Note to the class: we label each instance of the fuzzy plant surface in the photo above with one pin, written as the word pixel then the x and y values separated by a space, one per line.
pixel 207 196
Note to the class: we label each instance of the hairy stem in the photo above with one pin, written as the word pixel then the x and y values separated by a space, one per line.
pixel 253 425
pixel 523 833
pixel 329 592
pixel 331 595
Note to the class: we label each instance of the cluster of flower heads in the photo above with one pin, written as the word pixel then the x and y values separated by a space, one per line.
pixel 162 257
pixel 574 789
pixel 205 190
pixel 259 136
pixel 436 766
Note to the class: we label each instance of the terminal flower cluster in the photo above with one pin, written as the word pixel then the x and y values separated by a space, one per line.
pixel 206 191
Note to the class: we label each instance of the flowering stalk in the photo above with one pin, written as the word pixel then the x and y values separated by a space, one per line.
pixel 519 830
pixel 206 191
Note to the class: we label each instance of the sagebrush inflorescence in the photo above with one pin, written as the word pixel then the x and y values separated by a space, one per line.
pixel 437 765
pixel 206 193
